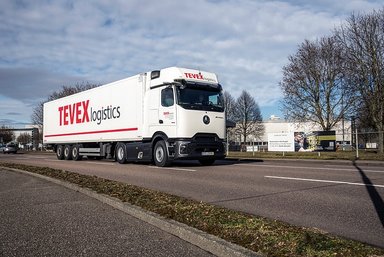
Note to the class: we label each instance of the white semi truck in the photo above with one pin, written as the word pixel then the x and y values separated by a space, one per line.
pixel 160 116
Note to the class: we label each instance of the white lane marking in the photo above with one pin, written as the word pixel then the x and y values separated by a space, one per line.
pixel 303 167
pixel 373 171
pixel 165 168
pixel 325 181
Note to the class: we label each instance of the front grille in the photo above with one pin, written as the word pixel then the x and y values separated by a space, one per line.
pixel 205 138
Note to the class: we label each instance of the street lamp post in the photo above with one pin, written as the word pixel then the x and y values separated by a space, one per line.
pixel 357 144
pixel 354 130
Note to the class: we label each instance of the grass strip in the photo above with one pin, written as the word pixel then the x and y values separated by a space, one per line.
pixel 340 155
pixel 269 237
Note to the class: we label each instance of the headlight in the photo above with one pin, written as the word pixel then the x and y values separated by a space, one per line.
pixel 183 148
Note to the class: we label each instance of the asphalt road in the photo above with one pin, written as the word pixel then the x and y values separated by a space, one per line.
pixel 341 198
pixel 40 218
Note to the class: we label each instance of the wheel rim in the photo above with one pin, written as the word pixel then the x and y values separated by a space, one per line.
pixel 120 153
pixel 66 151
pixel 59 150
pixel 159 154
pixel 74 152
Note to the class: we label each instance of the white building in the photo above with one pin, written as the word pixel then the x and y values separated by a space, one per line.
pixel 277 125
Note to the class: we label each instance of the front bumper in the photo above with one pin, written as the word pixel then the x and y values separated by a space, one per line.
pixel 199 148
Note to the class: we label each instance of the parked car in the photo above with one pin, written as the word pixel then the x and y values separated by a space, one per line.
pixel 2 147
pixel 11 148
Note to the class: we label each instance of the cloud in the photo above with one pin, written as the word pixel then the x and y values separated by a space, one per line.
pixel 31 85
pixel 340 8
pixel 46 44
pixel 14 112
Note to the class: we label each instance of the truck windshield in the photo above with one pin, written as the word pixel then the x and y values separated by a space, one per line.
pixel 198 98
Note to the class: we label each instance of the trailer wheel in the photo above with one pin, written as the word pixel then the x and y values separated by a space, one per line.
pixel 121 153
pixel 75 153
pixel 68 152
pixel 160 154
pixel 60 152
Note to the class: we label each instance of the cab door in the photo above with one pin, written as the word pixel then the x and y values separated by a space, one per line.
pixel 167 111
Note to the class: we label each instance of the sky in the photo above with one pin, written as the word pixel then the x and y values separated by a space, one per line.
pixel 45 44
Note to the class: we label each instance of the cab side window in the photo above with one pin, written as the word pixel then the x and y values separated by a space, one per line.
pixel 167 97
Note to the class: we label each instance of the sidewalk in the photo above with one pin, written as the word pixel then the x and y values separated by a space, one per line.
pixel 41 218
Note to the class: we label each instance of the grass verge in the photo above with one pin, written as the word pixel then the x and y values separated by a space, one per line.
pixel 269 237
pixel 340 155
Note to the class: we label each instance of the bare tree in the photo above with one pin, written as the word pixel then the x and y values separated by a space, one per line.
pixel 37 115
pixel 230 106
pixel 362 37
pixel 313 84
pixel 6 134
pixel 24 138
pixel 248 117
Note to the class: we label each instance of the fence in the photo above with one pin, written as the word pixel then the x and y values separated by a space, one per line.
pixel 365 140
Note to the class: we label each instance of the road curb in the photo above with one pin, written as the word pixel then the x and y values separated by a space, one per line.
pixel 205 241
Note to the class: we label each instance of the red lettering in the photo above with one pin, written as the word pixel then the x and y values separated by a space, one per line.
pixel 78 113
pixel 74 113
pixel 66 115
pixel 193 75
pixel 85 108
pixel 61 115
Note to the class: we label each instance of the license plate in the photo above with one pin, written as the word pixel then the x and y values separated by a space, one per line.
pixel 207 153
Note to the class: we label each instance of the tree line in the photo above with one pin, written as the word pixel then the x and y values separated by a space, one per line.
pixel 245 112
pixel 340 76
pixel 7 135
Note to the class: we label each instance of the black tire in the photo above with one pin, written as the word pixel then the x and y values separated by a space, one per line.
pixel 60 152
pixel 75 153
pixel 207 162
pixel 68 152
pixel 160 154
pixel 121 153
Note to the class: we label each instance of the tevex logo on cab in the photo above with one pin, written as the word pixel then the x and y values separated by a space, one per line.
pixel 193 75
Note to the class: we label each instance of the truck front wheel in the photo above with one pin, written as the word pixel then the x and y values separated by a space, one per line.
pixel 160 154
pixel 121 153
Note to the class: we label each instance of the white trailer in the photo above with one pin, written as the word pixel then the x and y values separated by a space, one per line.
pixel 160 116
